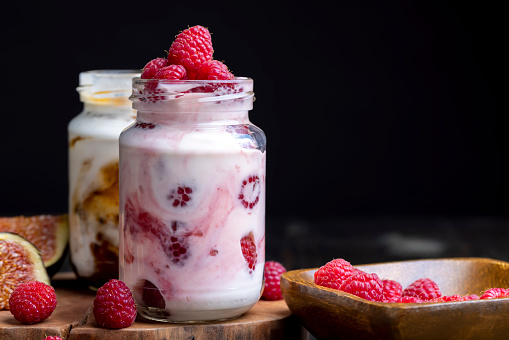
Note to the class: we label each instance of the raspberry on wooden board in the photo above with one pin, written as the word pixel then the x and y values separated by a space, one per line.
pixel 32 302
pixel 272 275
pixel 114 305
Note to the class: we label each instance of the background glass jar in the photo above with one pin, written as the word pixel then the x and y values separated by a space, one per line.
pixel 93 172
pixel 192 200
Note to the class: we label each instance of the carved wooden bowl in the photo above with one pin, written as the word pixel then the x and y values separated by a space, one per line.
pixel 331 314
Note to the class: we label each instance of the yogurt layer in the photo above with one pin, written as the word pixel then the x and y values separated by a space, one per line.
pixel 192 196
pixel 93 190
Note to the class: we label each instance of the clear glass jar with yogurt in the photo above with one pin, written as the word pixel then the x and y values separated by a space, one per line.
pixel 93 172
pixel 192 200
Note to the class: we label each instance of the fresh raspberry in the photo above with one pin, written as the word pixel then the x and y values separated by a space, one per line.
pixel 272 274
pixel 448 298
pixel 364 285
pixel 114 305
pixel 250 191
pixel 152 67
pixel 471 297
pixel 333 273
pixel 456 297
pixel 171 72
pixel 32 302
pixel 494 293
pixel 248 247
pixel 191 48
pixel 408 299
pixel 53 338
pixel 392 290
pixel 180 196
pixel 424 289
pixel 214 70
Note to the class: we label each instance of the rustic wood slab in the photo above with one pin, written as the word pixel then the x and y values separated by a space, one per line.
pixel 266 320
pixel 73 299
pixel 73 320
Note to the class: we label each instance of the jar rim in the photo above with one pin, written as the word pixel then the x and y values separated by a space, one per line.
pixel 192 95
pixel 106 86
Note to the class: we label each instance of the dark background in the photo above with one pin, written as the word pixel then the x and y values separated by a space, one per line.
pixel 385 120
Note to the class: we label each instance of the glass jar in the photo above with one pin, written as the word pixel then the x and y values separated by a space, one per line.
pixel 93 172
pixel 192 200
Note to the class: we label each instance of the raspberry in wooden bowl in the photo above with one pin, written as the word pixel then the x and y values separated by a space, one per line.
pixel 465 308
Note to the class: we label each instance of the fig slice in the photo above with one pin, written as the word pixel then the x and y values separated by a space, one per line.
pixel 49 233
pixel 20 261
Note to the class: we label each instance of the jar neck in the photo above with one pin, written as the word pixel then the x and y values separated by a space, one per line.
pixel 124 108
pixel 193 118
pixel 192 101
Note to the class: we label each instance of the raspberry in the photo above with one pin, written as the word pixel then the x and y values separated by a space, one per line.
pixel 448 298
pixel 144 126
pixel 173 239
pixel 408 299
pixel 214 70
pixel 471 297
pixel 191 48
pixel 152 67
pixel 180 196
pixel 53 338
pixel 241 129
pixel 250 191
pixel 272 274
pixel 114 305
pixel 494 293
pixel 171 72
pixel 333 273
pixel 248 247
pixel 152 296
pixel 32 302
pixel 392 290
pixel 455 297
pixel 364 285
pixel 424 289
pixel 177 243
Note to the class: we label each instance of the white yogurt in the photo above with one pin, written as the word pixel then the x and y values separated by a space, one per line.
pixel 210 150
pixel 93 172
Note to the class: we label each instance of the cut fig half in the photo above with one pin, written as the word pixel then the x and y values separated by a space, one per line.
pixel 49 233
pixel 20 261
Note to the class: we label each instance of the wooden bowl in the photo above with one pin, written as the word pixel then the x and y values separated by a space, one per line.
pixel 331 314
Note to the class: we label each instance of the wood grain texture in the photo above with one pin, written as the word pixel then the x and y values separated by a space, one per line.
pixel 332 314
pixel 74 301
pixel 266 320
pixel 73 319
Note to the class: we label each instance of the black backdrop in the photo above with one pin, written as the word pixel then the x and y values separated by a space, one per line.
pixel 369 107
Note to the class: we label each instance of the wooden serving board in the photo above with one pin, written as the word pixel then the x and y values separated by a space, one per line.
pixel 73 319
